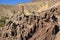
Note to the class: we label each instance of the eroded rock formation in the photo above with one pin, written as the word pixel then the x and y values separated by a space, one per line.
pixel 37 26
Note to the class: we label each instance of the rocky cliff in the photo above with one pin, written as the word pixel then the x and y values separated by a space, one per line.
pixel 32 24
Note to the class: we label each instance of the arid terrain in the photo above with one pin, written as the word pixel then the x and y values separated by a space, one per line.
pixel 36 20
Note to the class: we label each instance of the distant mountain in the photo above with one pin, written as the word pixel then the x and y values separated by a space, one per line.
pixel 45 0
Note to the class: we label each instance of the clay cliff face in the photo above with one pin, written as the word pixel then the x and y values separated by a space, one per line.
pixel 33 25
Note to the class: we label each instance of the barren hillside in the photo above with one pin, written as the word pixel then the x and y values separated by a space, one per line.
pixel 31 21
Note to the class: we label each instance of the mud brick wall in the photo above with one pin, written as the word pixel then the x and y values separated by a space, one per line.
pixel 37 26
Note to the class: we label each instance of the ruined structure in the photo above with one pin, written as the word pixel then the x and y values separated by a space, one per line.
pixel 35 26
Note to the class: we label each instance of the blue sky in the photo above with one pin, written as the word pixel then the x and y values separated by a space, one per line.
pixel 13 1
